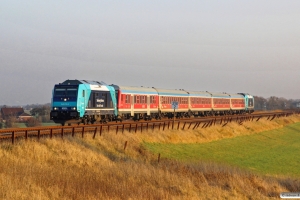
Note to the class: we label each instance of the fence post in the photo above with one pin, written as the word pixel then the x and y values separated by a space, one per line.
pixel 211 123
pixel 62 133
pixel 13 137
pixel 190 125
pixel 153 126
pixel 123 128
pixel 183 125
pixel 26 135
pixel 273 117
pixel 83 132
pixel 178 125
pixel 169 125
pixel 159 126
pixel 73 131
pixel 164 126
pixel 129 128
pixel 39 134
pixel 225 124
pixel 100 130
pixel 117 129
pixel 158 159
pixel 125 145
pixel 141 127
pixel 136 125
pixel 95 132
pixel 195 125
pixel 108 126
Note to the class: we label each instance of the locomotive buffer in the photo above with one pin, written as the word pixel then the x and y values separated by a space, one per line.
pixel 174 106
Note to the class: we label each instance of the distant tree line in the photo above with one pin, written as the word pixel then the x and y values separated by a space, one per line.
pixel 275 103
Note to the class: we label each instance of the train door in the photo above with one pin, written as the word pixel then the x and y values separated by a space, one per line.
pixel 82 102
pixel 148 105
pixel 246 103
pixel 131 105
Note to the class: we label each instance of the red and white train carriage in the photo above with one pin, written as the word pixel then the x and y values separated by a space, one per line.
pixel 140 102
pixel 147 103
pixel 167 96
pixel 237 104
pixel 200 103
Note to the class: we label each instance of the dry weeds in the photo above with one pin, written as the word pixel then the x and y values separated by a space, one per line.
pixel 76 168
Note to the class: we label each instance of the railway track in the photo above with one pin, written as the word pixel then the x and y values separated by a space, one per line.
pixel 131 126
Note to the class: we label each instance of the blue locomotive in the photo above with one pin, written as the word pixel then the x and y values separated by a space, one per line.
pixel 83 101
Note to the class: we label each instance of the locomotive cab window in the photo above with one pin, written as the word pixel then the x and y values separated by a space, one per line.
pixel 60 92
pixel 72 92
pixel 65 92
pixel 250 102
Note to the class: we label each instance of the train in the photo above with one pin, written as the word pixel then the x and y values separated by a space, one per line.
pixel 88 102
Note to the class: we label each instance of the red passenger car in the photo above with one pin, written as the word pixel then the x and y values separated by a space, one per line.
pixel 140 102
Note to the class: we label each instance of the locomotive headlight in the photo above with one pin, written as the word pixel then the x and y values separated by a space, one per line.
pixel 65 99
pixel 73 108
pixel 55 108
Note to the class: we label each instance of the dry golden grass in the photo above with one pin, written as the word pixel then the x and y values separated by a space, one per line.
pixel 86 168
pixel 217 132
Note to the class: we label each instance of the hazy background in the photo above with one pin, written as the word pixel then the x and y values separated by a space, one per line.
pixel 228 46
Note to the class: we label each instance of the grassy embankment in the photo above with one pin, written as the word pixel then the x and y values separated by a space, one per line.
pixel 76 168
pixel 270 152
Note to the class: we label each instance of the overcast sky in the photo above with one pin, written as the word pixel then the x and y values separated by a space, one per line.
pixel 227 46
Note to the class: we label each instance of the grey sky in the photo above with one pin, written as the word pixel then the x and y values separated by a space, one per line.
pixel 228 46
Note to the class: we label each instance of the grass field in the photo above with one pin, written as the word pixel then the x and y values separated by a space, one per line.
pixel 273 152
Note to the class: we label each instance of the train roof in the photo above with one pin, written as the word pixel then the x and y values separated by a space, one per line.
pixel 198 93
pixel 171 92
pixel 77 82
pixel 235 95
pixel 219 95
pixel 135 90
